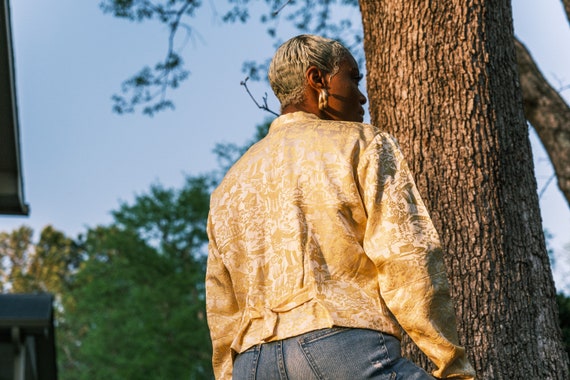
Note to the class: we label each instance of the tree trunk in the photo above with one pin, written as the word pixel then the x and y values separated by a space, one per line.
pixel 442 78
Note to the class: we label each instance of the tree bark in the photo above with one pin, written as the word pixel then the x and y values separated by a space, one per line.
pixel 442 78
pixel 548 113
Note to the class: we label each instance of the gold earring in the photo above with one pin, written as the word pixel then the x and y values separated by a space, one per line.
pixel 323 99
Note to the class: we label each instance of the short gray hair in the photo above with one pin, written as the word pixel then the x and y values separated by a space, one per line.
pixel 293 58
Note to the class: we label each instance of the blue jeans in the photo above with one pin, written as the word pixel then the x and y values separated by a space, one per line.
pixel 335 353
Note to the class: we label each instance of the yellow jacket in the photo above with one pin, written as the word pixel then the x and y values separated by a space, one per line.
pixel 320 224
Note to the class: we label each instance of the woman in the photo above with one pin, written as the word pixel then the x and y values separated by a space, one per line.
pixel 320 248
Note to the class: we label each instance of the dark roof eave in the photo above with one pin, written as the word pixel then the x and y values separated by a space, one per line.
pixel 31 315
pixel 11 179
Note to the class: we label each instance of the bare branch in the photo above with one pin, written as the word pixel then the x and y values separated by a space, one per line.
pixel 564 88
pixel 264 106
pixel 276 12
pixel 150 86
pixel 543 190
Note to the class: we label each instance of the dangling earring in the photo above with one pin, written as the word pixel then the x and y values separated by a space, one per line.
pixel 323 99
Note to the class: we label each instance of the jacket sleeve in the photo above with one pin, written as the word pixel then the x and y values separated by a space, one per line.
pixel 401 240
pixel 222 310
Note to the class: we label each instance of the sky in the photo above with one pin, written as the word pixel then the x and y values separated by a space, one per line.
pixel 80 160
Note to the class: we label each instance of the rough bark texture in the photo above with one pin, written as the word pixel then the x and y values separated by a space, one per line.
pixel 442 78
pixel 549 114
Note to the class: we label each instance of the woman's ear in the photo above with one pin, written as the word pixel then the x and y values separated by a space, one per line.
pixel 315 78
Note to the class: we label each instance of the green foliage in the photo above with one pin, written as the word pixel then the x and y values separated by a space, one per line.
pixel 148 87
pixel 139 297
pixel 139 314
pixel 43 267
pixel 175 219
pixel 15 254
pixel 57 257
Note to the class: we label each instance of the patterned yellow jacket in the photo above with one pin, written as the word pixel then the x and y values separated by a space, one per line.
pixel 320 224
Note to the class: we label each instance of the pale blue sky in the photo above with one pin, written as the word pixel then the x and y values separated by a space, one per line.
pixel 79 159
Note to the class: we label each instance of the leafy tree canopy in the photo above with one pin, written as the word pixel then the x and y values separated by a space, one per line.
pixel 139 296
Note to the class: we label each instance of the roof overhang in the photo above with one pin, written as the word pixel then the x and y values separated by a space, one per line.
pixel 11 182
pixel 27 337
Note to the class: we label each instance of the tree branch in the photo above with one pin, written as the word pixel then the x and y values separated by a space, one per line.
pixel 549 114
pixel 276 12
pixel 149 87
pixel 263 106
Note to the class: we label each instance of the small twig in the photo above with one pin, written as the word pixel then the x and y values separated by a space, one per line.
pixel 561 86
pixel 546 186
pixel 564 88
pixel 275 13
pixel 264 106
